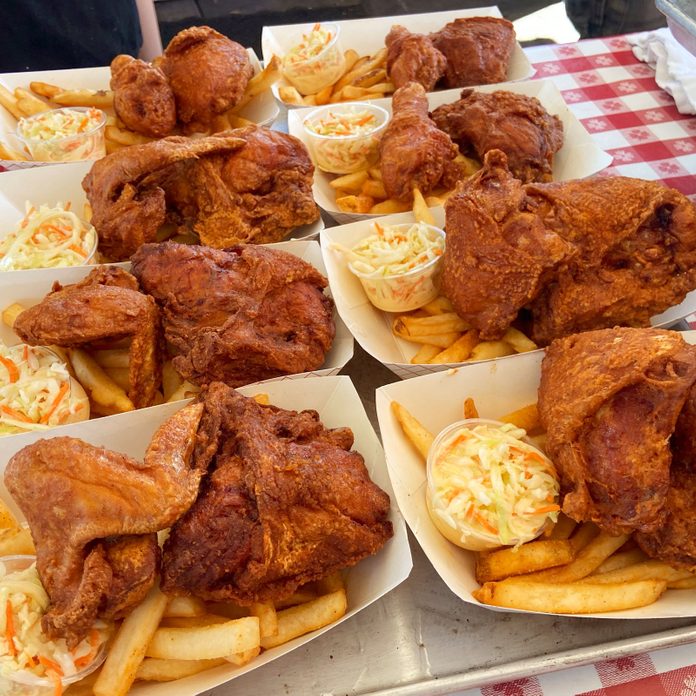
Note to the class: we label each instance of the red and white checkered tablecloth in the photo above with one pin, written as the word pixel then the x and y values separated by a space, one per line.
pixel 616 98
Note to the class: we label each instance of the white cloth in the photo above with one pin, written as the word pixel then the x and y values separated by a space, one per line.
pixel 675 67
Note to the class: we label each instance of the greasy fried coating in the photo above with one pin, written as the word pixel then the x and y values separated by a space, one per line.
pixel 609 401
pixel 286 501
pixel 105 305
pixel 514 123
pixel 239 315
pixel 477 49
pixel 143 99
pixel 413 58
pixel 96 550
pixel 414 153
pixel 208 73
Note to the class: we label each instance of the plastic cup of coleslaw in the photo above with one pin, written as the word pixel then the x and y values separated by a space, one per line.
pixel 69 134
pixel 489 486
pixel 25 682
pixel 315 60
pixel 411 283
pixel 344 138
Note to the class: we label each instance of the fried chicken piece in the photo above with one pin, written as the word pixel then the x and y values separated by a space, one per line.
pixel 609 401
pixel 414 153
pixel 286 502
pixel 251 185
pixel 240 315
pixel 208 74
pixel 514 123
pixel 96 550
pixel 105 305
pixel 580 255
pixel 413 58
pixel 143 99
pixel 477 49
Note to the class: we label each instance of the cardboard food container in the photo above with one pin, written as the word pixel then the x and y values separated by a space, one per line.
pixel 366 36
pixel 338 405
pixel 498 388
pixel 579 157
pixel 262 109
pixel 60 183
pixel 371 327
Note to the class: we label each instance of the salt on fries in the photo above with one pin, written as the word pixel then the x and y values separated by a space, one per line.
pixel 42 96
pixel 574 568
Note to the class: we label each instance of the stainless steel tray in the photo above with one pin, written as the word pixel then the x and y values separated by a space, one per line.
pixel 681 19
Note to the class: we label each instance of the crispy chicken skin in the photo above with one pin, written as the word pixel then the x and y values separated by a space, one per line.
pixel 609 401
pixel 413 58
pixel 143 99
pixel 96 550
pixel 105 305
pixel 285 502
pixel 414 153
pixel 477 49
pixel 208 73
pixel 239 315
pixel 516 124
pixel 579 255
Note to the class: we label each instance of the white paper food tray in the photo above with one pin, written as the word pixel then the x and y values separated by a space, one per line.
pixel 371 327
pixel 262 109
pixel 61 183
pixel 436 401
pixel 338 404
pixel 579 157
pixel 366 36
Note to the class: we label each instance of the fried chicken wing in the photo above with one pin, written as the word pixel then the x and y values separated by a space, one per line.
pixel 286 502
pixel 414 153
pixel 609 401
pixel 413 58
pixel 239 315
pixel 477 49
pixel 516 124
pixel 579 255
pixel 105 305
pixel 93 514
pixel 208 73
pixel 143 99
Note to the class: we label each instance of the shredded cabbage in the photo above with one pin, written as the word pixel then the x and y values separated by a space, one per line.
pixel 310 46
pixel 60 123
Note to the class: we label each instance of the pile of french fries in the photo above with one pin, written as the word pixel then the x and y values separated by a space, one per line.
pixel 573 568
pixel 363 77
pixel 41 96
pixel 14 539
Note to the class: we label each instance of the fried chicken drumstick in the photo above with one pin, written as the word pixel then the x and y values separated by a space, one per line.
pixel 413 58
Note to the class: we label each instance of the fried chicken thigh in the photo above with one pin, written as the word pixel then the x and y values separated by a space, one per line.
pixel 143 99
pixel 105 305
pixel 93 515
pixel 208 74
pixel 516 124
pixel 578 255
pixel 413 58
pixel 240 315
pixel 414 153
pixel 477 49
pixel 285 502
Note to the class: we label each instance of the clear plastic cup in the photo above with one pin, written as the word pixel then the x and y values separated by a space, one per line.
pixel 313 74
pixel 67 148
pixel 344 154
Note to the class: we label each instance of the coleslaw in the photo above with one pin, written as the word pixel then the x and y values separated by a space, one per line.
pixel 315 61
pixel 487 486
pixel 35 390
pixel 48 237
pixel 24 648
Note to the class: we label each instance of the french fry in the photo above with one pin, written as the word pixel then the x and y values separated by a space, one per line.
pixel 424 354
pixel 7 519
pixel 238 122
pixel 87 211
pixel 468 165
pixel 355 204
pixel 583 536
pixel 184 391
pixel 419 436
pixel 205 619
pixel 268 619
pixel 381 88
pixel 16 542
pixel 323 96
pixel 686 584
pixel 30 104
pixel 621 559
pixel 296 621
pixel 154 669
pixel 100 387
pixel 219 123
pixel 171 380
pixel 388 207
pixel 9 101
pixel 563 528
pixel 331 583
pixel 262 399
pixel 420 208
pixel 8 153
pixel 442 340
pixel 350 58
pixel 301 596
pixel 459 351
pixel 370 78
pixel 526 418
pixel 350 182
pixel 570 598
pixel 112 357
pixel 120 376
pixel 434 201
pixel 375 173
pixel 528 558
pixel 373 188
pixel 45 90
pixel 184 606
pixel 128 649
pixel 10 314
pixel 110 146
pixel 440 305
pixel 419 326
pixel 519 341
pixel 351 92
pixel 123 136
pixel 290 95
pixel 100 98
pixel 258 84
pixel 647 570
pixel 241 658
pixel 360 67
pixel 470 410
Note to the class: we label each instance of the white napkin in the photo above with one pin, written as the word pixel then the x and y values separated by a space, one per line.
pixel 675 67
